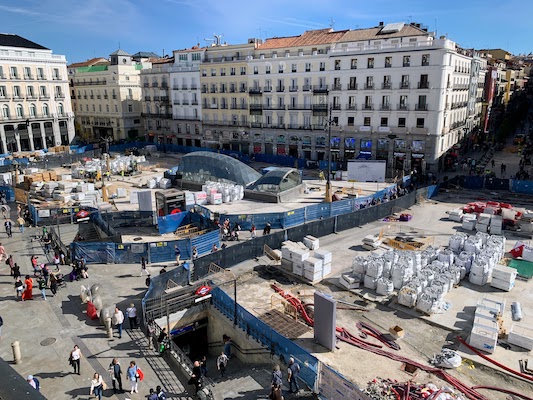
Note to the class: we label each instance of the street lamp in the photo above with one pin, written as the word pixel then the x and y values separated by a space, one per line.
pixel 328 181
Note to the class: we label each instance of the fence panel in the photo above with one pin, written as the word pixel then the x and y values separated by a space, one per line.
pixel 524 187
pixel 94 252
pixel 341 207
pixel 332 385
pixel 317 211
pixel 204 243
pixel 164 251
pixel 294 217
pixel 130 253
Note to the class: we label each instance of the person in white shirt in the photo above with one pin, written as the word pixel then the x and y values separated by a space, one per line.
pixel 222 362
pixel 97 386
pixel 131 311
pixel 75 356
pixel 118 320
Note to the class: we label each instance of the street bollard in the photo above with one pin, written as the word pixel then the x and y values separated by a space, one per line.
pixel 16 352
pixel 108 327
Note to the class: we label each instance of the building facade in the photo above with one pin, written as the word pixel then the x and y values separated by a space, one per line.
pixel 36 111
pixel 107 97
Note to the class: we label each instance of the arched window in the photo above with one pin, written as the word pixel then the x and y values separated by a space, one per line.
pixel 45 110
pixel 60 109
pixel 33 110
pixel 5 111
pixel 20 111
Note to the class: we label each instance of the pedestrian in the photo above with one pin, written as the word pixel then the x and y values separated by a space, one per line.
pixel 203 365
pixel 194 253
pixel 34 382
pixel 74 359
pixel 5 210
pixel 42 286
pixel 276 394
pixel 35 264
pixel 196 377
pixel 97 386
pixel 9 228
pixel 10 262
pixel 227 345
pixel 57 261
pixel 47 243
pixel 118 320
pixel 19 210
pixel 28 292
pixel 53 284
pixel 214 249
pixel 21 223
pixel 45 273
pixel 2 252
pixel 143 267
pixel 160 393
pixel 115 371
pixel 277 378
pixel 16 271
pixel 177 254
pixel 1 324
pixel 18 287
pixel 152 395
pixel 492 163
pixel 292 376
pixel 131 311
pixel 133 377
pixel 62 257
pixel 253 231
pixel 222 363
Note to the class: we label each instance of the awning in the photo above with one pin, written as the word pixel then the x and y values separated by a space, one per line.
pixel 415 155
pixel 364 155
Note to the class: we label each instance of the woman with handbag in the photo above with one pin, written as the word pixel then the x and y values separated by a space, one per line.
pixel 133 376
pixel 74 359
pixel 97 386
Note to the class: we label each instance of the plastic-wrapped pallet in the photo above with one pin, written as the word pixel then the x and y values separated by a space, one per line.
pixel 359 264
pixel 311 242
pixel 407 296
pixel 326 270
pixel 469 222
pixel 374 269
pixel 384 287
pixel 527 253
pixel 313 264
pixel 324 255
pixel 503 277
pixel 370 282
pixel 297 268
pixel 484 218
pixel 350 281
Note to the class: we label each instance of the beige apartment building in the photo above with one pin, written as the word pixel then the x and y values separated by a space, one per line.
pixel 36 111
pixel 107 96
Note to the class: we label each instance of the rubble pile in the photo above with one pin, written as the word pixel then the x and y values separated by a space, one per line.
pixel 387 389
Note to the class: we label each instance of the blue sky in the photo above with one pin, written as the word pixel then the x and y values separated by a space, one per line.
pixel 92 28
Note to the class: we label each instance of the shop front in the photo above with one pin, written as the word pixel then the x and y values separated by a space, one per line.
pixel 280 143
pixel 365 149
pixel 418 164
pixel 349 148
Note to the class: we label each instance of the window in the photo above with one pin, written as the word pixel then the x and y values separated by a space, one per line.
pixel 183 57
pixel 405 82
pixel 5 111
pixel 425 60
pixel 322 66
pixel 351 121
pixel 107 108
pixel 40 73
pixel 403 102
pixel 424 83
pixel 60 109
pixel 16 91
pixel 2 73
pixel 353 63
pixel 366 145
pixel 351 103
pixel 130 107
pixel 420 122
pixel 231 71
pixel 213 72
pixel 406 61
pixel 27 72
pixel 116 108
pixel 222 71
pixel 370 63
pixel 256 70
pixel 3 91
pixel 337 65
pixel 100 107
pixel 14 72
pixel 401 122
pixel 281 68
pixel 243 70
pixel 385 103
pixel 387 82
pixel 94 108
pixel 294 68
pixel 384 121
pixel 369 82
pixel 422 103
pixel 368 103
pixel 20 111
pixel 56 74
pixel 366 121
pixel 388 62
pixel 307 67
pixel 196 56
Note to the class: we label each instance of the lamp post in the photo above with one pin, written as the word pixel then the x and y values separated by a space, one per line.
pixel 328 181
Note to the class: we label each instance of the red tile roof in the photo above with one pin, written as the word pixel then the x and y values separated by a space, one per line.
pixel 308 38
pixel 90 63
pixel 374 33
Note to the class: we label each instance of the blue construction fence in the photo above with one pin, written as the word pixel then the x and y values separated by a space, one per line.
pixel 154 252
pixel 278 344
pixel 9 192
pixel 286 219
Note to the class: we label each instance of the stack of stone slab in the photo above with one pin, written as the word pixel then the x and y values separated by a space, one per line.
pixel 521 336
pixel 503 277
pixel 298 259
pixel 487 324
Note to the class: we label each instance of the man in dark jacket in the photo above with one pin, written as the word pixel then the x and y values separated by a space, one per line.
pixel 116 372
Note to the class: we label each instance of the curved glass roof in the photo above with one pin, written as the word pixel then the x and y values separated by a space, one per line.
pixel 202 166
pixel 277 180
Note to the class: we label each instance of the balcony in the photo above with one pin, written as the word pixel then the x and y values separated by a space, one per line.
pixel 164 99
pixel 421 107
pixel 423 85
pixel 404 85
pixel 402 107
pixel 306 88
pixel 232 89
pixel 194 87
pixel 351 107
pixel 223 89
pixel 223 106
pixel 57 78
pixel 352 86
pixel 46 97
pixel 84 96
pixel 177 103
pixel 299 106
pixel 98 96
pixel 156 98
pixel 256 107
pixel 368 107
pixel 280 107
pixel 5 98
pixel 185 102
pixel 256 125
pixel 369 86
pixel 336 107
pixel 204 89
pixel 31 97
pixel 155 84
pixel 147 98
pixel 275 126
pixel 320 108
pixel 255 91
pixel 156 115
pixel 41 78
pixel 267 89
pixel 386 85
pixel 92 96
pixel 384 107
pixel 280 89
pixel 146 84
pixel 320 89
pixel 194 102
pixel 293 88
pixel 164 85
pixel 213 90
pixel 114 97
pixel 28 77
pixel 242 89
pixel 337 86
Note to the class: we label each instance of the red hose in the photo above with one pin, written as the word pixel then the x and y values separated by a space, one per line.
pixel 396 393
pixel 505 367
pixel 503 391
pixel 408 389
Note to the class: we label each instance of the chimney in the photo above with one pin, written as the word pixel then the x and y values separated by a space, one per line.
pixel 381 23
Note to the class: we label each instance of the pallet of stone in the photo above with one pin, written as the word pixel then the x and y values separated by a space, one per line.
pixel 503 277
pixel 495 305
pixel 481 227
pixel 521 336
pixel 325 255
pixel 350 281
pixel 456 215
pixel 483 339
pixel 326 270
pixel 484 219
pixel 469 222
pixel 286 264
pixel 313 276
pixel 311 242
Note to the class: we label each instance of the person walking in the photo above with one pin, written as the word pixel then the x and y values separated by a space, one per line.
pixel 133 377
pixel 131 311
pixel 28 292
pixel 143 267
pixel 53 284
pixel 152 395
pixel 253 231
pixel 1 324
pixel 194 253
pixel 2 252
pixel 97 386
pixel 9 226
pixel 177 254
pixel 118 320
pixel 196 377
pixel 21 223
pixel 203 365
pixel 292 376
pixel 16 271
pixel 222 363
pixel 74 359
pixel 34 382
pixel 19 286
pixel 116 375
pixel 57 261
pixel 227 345
pixel 160 393
pixel 277 379
pixel 10 262
pixel 42 286
pixel 47 244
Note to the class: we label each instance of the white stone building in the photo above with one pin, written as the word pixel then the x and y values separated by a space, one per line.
pixel 36 111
